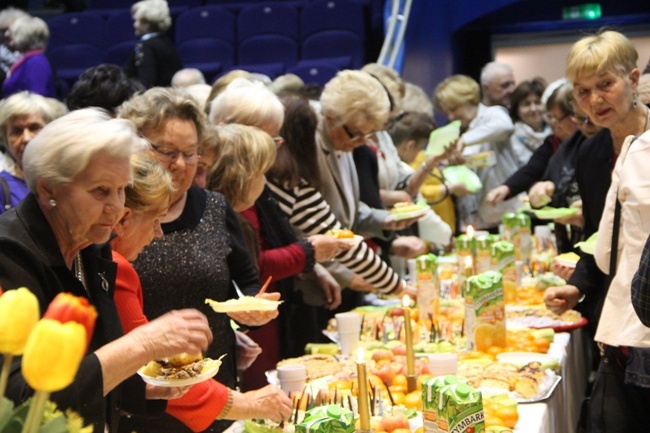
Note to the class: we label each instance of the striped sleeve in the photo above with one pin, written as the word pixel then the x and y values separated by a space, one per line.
pixel 308 211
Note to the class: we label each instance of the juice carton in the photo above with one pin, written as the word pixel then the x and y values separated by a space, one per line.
pixel 503 261
pixel 485 324
pixel 461 410
pixel 431 398
pixel 428 297
pixel 484 252
pixel 517 229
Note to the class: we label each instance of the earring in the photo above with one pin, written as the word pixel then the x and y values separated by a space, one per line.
pixel 52 202
pixel 634 101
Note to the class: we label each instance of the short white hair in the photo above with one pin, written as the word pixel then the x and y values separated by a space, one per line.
pixel 25 103
pixel 249 103
pixel 187 77
pixel 9 15
pixel 65 146
pixel 29 33
pixel 491 69
pixel 154 12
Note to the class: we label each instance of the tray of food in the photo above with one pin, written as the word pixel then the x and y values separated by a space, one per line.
pixel 538 316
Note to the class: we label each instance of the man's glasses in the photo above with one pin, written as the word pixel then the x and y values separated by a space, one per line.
pixel 552 120
pixel 169 155
pixel 358 135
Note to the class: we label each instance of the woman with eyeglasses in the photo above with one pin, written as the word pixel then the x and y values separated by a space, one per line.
pixel 147 198
pixel 559 117
pixel 203 251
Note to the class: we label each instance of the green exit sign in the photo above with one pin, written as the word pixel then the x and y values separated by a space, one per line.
pixel 589 11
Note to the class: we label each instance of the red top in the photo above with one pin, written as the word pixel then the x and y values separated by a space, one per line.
pixel 204 401
pixel 282 262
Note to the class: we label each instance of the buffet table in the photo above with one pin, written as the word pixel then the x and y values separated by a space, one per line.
pixel 560 413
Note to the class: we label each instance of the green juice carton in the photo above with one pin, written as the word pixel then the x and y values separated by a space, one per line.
pixel 461 410
pixel 518 230
pixel 428 297
pixel 503 261
pixel 484 252
pixel 327 419
pixel 431 398
pixel 485 322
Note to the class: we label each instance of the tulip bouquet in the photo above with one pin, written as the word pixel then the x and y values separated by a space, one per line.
pixel 64 330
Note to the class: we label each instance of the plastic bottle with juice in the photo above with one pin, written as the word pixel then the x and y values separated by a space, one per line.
pixel 485 324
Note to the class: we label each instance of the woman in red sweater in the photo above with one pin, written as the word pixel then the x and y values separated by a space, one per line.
pixel 147 200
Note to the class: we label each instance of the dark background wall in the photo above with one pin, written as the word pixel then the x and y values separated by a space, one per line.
pixel 455 36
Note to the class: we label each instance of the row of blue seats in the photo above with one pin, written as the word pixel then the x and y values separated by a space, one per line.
pixel 105 30
pixel 269 38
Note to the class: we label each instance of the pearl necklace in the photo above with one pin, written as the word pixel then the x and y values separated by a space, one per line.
pixel 79 270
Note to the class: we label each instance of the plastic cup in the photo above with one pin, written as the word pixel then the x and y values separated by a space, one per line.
pixel 292 378
pixel 441 364
pixel 348 326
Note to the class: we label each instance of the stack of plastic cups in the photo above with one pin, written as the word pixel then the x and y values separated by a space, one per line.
pixel 441 364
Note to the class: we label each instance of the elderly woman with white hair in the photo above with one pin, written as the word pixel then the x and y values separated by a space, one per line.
pixel 33 70
pixel 155 59
pixel 22 116
pixel 77 169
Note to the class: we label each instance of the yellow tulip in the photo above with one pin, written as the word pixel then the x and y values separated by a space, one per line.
pixel 19 313
pixel 53 353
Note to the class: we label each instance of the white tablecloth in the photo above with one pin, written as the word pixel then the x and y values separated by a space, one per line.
pixel 561 411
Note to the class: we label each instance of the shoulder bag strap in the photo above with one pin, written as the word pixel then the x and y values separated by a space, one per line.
pixel 6 192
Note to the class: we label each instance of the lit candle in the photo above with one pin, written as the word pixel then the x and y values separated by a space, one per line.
pixel 362 394
pixel 410 356
pixel 469 267
pixel 470 232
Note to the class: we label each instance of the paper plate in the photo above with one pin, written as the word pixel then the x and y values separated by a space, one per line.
pixel 210 369
pixel 460 173
pixel 354 241
pixel 247 303
pixel 441 138
pixel 399 216
pixel 588 246
pixel 551 213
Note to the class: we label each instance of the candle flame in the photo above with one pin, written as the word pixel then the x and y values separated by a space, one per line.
pixel 468 262
pixel 470 231
pixel 361 355
pixel 406 301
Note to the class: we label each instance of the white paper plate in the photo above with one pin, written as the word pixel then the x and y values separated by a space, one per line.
pixel 550 213
pixel 210 369
pixel 247 303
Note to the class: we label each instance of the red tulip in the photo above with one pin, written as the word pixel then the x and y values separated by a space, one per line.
pixel 69 308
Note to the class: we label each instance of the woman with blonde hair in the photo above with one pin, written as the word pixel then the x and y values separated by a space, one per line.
pixel 484 129
pixel 603 70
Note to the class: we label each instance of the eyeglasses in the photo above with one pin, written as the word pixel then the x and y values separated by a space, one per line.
pixel 552 120
pixel 356 136
pixel 581 119
pixel 169 155
pixel 279 141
